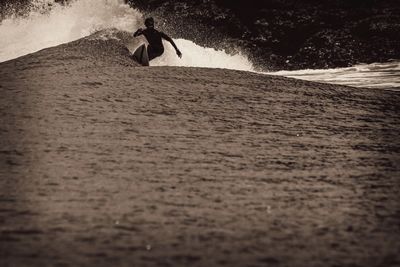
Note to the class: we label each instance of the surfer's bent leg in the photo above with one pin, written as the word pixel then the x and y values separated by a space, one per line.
pixel 153 53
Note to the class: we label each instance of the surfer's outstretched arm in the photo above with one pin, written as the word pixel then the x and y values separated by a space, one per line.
pixel 138 32
pixel 169 39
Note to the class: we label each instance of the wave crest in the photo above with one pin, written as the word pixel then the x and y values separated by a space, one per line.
pixel 49 24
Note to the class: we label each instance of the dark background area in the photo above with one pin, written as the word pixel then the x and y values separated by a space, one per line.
pixel 281 34
pixel 288 34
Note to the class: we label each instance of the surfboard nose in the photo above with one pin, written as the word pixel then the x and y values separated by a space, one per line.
pixel 141 56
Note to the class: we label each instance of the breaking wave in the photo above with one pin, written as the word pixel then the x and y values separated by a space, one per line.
pixel 111 22
pixel 48 24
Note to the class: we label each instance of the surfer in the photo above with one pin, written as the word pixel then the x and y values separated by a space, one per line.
pixel 154 37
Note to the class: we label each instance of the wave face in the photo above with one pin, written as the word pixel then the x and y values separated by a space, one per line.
pixel 49 24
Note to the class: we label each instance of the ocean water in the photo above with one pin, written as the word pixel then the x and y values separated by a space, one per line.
pixel 49 24
pixel 376 75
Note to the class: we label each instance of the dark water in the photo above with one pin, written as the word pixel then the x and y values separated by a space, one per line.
pixel 104 163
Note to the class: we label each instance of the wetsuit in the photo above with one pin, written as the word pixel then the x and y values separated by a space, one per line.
pixel 154 37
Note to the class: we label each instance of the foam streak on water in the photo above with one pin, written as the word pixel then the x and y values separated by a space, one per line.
pixel 377 75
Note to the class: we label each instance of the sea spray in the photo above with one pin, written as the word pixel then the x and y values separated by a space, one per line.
pixel 42 28
pixel 198 56
pixel 48 23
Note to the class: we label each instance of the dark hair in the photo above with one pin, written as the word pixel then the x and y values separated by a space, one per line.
pixel 149 22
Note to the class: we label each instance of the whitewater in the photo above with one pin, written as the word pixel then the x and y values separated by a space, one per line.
pixel 48 24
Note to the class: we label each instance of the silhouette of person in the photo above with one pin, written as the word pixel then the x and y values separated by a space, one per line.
pixel 154 37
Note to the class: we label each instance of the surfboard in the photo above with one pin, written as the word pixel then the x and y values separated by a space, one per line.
pixel 141 56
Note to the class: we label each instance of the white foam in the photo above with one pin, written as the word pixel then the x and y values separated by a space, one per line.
pixel 375 75
pixel 198 56
pixel 49 24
